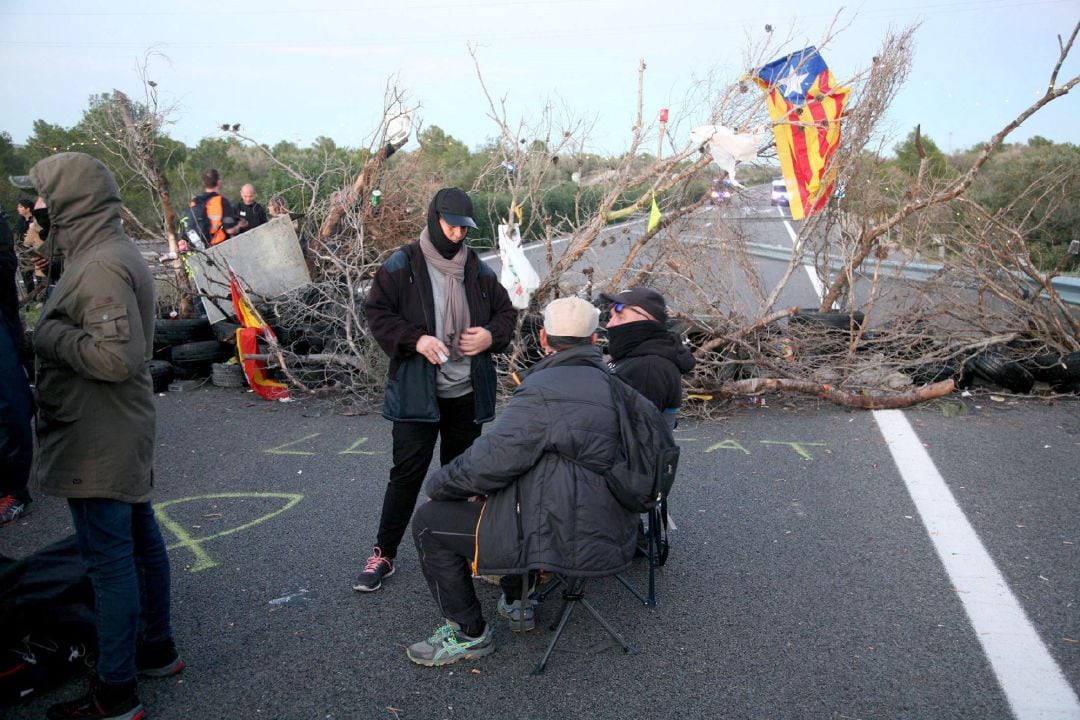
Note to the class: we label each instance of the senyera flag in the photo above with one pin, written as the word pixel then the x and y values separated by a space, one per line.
pixel 247 339
pixel 806 108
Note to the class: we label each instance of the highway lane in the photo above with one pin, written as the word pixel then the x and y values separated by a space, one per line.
pixel 803 582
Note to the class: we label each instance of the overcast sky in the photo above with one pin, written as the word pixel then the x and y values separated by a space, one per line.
pixel 297 70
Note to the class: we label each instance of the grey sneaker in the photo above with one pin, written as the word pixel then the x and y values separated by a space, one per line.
pixel 449 644
pixel 376 568
pixel 512 612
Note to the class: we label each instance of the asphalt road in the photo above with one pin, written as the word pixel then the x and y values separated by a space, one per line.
pixel 825 564
pixel 803 581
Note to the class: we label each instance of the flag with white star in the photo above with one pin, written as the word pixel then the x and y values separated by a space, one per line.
pixel 806 108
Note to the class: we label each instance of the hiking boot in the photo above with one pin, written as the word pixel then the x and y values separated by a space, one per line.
pixel 376 568
pixel 449 644
pixel 101 702
pixel 11 509
pixel 512 612
pixel 158 659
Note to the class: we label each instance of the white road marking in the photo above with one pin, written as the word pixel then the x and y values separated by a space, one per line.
pixel 1030 679
pixel 811 272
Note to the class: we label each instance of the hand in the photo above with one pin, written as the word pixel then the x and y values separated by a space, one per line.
pixel 475 340
pixel 432 347
pixel 40 262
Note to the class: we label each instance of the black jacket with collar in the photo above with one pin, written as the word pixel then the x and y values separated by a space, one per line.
pixel 400 308
pixel 541 467
pixel 255 214
pixel 650 359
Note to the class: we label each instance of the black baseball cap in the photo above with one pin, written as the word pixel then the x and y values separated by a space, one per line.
pixel 645 298
pixel 455 207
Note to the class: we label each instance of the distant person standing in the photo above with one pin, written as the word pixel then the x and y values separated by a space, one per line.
pixel 211 213
pixel 249 213
pixel 25 209
pixel 95 429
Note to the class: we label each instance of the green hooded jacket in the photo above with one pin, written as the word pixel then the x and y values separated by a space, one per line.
pixel 93 343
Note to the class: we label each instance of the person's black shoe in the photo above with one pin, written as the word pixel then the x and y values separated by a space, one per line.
pixel 101 702
pixel 376 568
pixel 158 659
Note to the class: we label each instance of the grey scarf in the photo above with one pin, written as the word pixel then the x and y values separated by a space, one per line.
pixel 456 311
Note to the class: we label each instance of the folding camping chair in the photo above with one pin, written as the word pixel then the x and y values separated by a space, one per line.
pixel 655 549
pixel 573 594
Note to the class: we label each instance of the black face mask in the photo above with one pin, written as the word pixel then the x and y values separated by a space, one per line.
pixel 41 217
pixel 446 247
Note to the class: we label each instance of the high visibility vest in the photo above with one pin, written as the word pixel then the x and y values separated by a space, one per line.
pixel 216 213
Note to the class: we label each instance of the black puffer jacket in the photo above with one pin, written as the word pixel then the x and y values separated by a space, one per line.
pixel 650 359
pixel 541 467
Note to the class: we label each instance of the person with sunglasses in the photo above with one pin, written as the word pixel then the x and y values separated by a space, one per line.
pixel 644 353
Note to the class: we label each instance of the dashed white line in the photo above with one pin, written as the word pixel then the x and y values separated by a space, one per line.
pixel 1030 679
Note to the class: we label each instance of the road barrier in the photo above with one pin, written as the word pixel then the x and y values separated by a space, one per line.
pixel 1067 288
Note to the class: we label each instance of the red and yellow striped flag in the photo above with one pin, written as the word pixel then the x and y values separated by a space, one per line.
pixel 806 108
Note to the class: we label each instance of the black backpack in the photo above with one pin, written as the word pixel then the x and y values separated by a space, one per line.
pixel 195 225
pixel 646 458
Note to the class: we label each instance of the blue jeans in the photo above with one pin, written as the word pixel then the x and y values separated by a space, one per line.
pixel 128 566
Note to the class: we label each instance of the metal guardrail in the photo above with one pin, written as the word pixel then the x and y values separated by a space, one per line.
pixel 1067 288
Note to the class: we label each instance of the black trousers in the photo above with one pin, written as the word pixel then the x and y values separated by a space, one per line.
pixel 445 535
pixel 414 445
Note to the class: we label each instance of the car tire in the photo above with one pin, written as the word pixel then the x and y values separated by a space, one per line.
pixel 225 331
pixel 228 375
pixel 995 368
pixel 178 332
pixel 199 356
pixel 1054 368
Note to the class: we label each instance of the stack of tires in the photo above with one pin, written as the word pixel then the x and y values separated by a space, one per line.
pixel 186 349
pixel 1061 371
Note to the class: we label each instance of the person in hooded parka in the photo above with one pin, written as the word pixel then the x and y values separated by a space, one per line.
pixel 95 428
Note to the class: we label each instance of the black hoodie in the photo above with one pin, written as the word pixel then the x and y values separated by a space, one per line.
pixel 651 360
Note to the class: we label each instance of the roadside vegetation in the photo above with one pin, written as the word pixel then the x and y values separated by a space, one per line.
pixel 999 218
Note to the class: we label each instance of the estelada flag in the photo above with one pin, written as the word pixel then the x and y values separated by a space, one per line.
pixel 806 108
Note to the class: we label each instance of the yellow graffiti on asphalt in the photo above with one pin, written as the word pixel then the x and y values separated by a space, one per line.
pixel 729 444
pixel 351 450
pixel 203 561
pixel 280 449
pixel 798 447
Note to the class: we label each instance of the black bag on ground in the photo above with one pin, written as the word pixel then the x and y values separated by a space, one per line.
pixel 646 456
pixel 47 634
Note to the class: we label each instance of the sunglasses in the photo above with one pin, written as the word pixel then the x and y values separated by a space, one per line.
pixel 621 307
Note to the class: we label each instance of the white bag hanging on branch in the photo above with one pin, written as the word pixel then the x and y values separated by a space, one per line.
pixel 518 276
pixel 727 147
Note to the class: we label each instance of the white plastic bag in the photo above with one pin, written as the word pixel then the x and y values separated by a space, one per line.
pixel 727 147
pixel 518 276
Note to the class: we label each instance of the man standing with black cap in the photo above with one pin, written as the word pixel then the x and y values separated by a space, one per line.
pixel 644 353
pixel 439 313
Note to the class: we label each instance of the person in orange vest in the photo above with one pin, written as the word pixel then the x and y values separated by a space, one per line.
pixel 215 214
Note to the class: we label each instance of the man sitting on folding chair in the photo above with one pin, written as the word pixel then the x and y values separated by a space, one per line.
pixel 545 505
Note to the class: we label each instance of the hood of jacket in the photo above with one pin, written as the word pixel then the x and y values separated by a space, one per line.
pixel 83 200
pixel 646 337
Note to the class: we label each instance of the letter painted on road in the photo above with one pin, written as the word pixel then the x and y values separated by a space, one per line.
pixel 798 447
pixel 203 561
